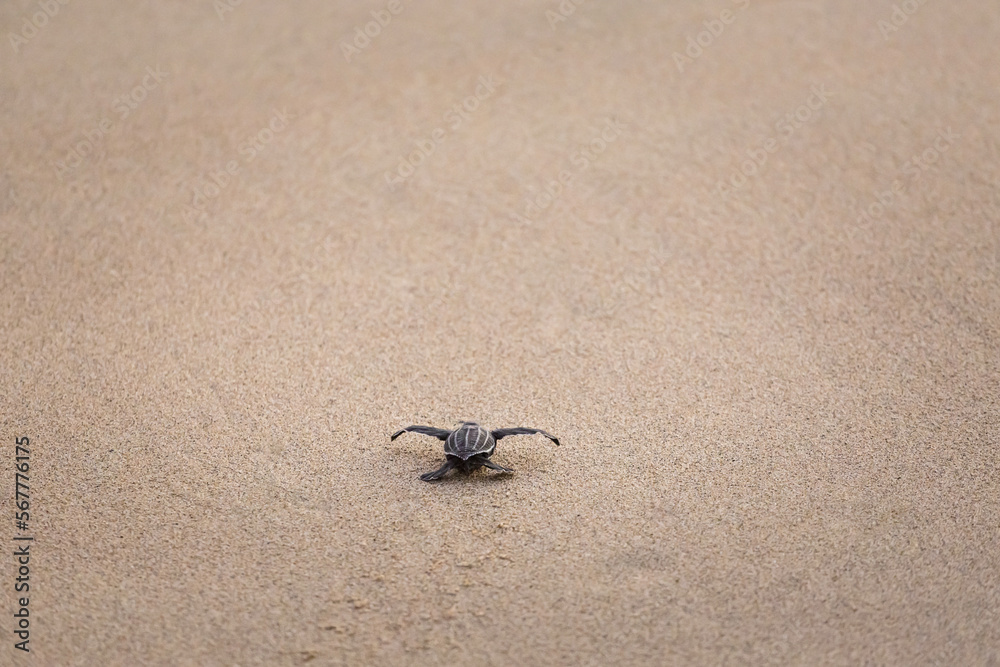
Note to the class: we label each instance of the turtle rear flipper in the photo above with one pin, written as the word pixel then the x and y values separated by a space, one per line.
pixel 439 473
pixel 493 466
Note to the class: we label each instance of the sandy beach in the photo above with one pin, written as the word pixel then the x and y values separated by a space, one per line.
pixel 741 257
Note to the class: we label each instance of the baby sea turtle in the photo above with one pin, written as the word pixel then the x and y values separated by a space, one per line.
pixel 469 447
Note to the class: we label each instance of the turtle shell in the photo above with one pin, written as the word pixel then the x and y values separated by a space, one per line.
pixel 468 440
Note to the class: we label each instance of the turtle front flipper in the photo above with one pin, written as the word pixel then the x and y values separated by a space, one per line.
pixel 439 473
pixel 439 433
pixel 521 430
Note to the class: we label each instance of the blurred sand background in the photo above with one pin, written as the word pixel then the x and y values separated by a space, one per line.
pixel 779 417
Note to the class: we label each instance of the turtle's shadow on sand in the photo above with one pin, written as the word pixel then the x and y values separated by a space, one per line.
pixel 477 477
